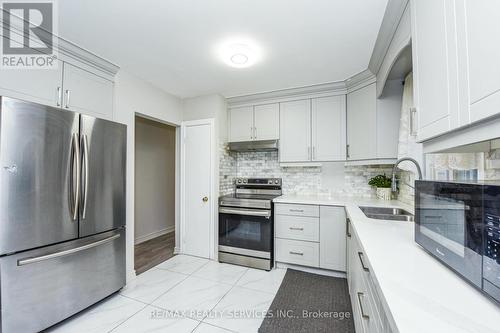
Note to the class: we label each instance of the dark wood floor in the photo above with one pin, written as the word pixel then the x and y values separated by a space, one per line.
pixel 153 252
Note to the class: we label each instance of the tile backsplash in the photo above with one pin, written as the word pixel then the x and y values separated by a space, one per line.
pixel 331 178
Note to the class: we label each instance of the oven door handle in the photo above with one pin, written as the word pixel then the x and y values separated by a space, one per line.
pixel 261 213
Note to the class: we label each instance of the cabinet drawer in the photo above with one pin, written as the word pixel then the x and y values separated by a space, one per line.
pixel 297 252
pixel 297 227
pixel 297 210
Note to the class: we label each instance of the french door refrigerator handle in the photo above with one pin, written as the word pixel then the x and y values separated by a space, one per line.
pixel 75 159
pixel 32 260
pixel 86 174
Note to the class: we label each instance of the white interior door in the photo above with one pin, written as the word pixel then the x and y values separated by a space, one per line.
pixel 197 191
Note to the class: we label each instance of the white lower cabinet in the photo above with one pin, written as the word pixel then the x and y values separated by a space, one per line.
pixel 297 252
pixel 332 238
pixel 310 235
pixel 368 313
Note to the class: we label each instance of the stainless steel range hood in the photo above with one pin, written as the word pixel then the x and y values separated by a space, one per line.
pixel 263 145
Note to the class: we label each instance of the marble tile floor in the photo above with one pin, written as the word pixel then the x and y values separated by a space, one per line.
pixel 183 294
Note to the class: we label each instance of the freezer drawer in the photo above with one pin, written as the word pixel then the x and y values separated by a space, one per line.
pixel 42 287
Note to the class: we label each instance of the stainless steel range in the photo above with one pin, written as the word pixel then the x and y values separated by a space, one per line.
pixel 246 223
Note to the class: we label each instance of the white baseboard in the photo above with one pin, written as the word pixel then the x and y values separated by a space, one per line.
pixel 177 250
pixel 314 270
pixel 142 239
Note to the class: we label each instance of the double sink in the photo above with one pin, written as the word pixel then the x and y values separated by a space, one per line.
pixel 384 213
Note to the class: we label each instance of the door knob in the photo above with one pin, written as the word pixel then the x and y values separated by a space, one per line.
pixel 205 199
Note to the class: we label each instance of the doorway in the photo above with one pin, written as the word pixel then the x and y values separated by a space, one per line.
pixel 155 148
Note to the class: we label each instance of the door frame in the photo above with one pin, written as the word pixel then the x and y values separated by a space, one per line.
pixel 212 195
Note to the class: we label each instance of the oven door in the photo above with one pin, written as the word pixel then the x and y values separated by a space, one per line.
pixel 245 231
pixel 448 224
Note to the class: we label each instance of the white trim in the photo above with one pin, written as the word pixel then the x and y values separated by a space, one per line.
pixel 320 271
pixel 300 165
pixel 381 161
pixel 66 48
pixel 154 234
pixel 212 199
pixel 290 94
pixel 351 84
pixel 360 80
pixel 392 16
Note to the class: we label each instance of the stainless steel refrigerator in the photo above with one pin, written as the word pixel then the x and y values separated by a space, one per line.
pixel 62 213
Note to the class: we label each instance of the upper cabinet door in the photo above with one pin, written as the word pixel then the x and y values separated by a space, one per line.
pixel 267 122
pixel 434 66
pixel 362 123
pixel 329 128
pixel 42 86
pixel 295 131
pixel 241 124
pixel 479 21
pixel 87 93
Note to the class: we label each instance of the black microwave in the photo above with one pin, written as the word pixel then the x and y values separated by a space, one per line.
pixel 459 224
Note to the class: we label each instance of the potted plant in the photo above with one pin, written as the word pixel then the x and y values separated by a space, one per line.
pixel 383 185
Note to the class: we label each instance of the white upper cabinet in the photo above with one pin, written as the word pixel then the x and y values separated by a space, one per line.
pixel 86 92
pixel 267 122
pixel 329 128
pixel 260 122
pixel 373 124
pixel 241 124
pixel 455 63
pixel 362 123
pixel 434 67
pixel 478 29
pixel 295 131
pixel 43 86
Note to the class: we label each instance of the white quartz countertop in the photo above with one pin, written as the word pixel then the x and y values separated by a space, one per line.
pixel 418 293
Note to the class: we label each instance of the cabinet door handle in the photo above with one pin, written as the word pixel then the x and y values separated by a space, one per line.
pixel 347 232
pixel 67 98
pixel 347 151
pixel 296 253
pixel 360 255
pixel 255 133
pixel 314 153
pixel 59 96
pixel 308 153
pixel 251 132
pixel 294 228
pixel 413 112
pixel 297 210
pixel 363 314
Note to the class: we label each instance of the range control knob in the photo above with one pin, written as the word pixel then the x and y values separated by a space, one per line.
pixel 239 181
pixel 276 181
pixel 245 181
pixel 269 181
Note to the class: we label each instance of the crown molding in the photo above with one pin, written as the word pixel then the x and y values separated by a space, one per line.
pixel 64 47
pixel 317 90
pixel 392 16
pixel 360 80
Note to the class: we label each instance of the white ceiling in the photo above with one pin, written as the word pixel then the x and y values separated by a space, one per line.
pixel 170 43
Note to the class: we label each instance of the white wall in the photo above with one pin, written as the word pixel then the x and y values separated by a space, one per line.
pixel 154 179
pixel 133 95
pixel 210 106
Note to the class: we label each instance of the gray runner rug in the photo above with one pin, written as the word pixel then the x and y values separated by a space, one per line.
pixel 309 302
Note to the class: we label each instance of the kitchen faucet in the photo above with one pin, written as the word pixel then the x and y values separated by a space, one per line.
pixel 394 186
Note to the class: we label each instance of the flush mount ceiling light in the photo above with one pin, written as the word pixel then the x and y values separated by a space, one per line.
pixel 239 53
